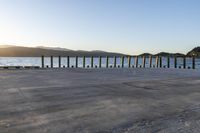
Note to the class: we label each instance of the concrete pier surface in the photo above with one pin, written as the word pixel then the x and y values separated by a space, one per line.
pixel 117 100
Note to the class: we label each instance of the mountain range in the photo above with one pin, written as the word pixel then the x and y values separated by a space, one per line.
pixel 19 51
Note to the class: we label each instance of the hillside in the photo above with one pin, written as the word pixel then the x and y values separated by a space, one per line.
pixel 16 51
pixel 54 48
pixel 19 51
pixel 194 52
pixel 169 54
pixel 146 54
pixel 163 54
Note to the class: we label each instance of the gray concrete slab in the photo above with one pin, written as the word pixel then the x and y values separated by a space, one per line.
pixel 99 101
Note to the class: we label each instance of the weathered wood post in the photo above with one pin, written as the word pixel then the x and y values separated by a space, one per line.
pixel 107 61
pixel 193 62
pixel 175 62
pixel 51 61
pixel 83 61
pixel 92 61
pixel 99 61
pixel 144 61
pixel 160 61
pixel 76 61
pixel 42 61
pixel 59 61
pixel 150 61
pixel 115 61
pixel 129 61
pixel 157 63
pixel 168 61
pixel 68 61
pixel 136 61
pixel 184 62
pixel 122 61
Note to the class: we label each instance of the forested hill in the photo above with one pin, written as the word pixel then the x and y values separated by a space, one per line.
pixel 19 51
pixel 16 51
pixel 194 52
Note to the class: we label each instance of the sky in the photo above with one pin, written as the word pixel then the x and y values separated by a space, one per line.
pixel 126 26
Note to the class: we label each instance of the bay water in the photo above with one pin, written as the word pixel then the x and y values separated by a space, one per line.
pixel 36 61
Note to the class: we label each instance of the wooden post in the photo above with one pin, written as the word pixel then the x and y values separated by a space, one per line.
pixel 59 61
pixel 184 62
pixel 122 59
pixel 68 61
pixel 42 61
pixel 76 61
pixel 129 61
pixel 107 61
pixel 160 61
pixel 175 62
pixel 99 61
pixel 144 61
pixel 92 60
pixel 150 61
pixel 157 64
pixel 168 61
pixel 83 61
pixel 136 61
pixel 51 61
pixel 115 61
pixel 193 62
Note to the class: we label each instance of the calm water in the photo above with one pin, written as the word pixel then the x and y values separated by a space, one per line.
pixel 36 61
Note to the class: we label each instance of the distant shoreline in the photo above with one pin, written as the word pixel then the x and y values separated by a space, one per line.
pixel 18 51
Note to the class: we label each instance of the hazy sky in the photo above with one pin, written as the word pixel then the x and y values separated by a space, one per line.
pixel 129 26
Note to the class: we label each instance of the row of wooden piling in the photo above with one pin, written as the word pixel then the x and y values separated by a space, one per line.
pixel 159 63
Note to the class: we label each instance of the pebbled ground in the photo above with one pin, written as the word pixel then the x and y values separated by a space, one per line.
pixel 100 101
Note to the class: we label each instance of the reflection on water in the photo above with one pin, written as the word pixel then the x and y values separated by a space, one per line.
pixel 36 61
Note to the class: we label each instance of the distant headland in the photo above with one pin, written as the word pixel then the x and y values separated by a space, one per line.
pixel 19 51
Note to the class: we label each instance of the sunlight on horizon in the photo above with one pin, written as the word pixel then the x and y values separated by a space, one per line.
pixel 130 27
